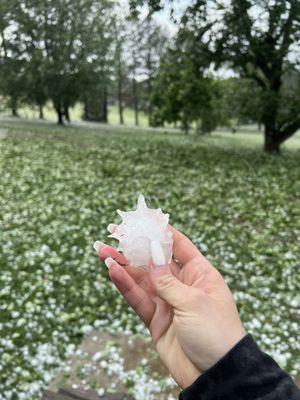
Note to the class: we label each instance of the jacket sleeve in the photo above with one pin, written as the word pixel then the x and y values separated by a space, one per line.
pixel 244 373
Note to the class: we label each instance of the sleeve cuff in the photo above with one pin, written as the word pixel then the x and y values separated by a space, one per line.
pixel 245 372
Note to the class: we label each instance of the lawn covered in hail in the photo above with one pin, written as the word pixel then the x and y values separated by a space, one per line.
pixel 60 187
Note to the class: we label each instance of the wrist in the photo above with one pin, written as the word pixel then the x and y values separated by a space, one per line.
pixel 228 343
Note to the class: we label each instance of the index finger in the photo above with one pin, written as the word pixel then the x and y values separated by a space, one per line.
pixel 183 248
pixel 135 296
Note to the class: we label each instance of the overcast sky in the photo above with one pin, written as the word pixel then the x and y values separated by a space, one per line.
pixel 163 16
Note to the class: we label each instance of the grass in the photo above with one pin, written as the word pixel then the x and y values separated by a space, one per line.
pixel 76 113
pixel 60 187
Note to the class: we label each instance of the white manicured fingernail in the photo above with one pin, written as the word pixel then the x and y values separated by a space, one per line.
pixel 109 262
pixel 157 254
pixel 111 228
pixel 97 245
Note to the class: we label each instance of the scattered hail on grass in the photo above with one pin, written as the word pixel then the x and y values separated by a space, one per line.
pixel 236 204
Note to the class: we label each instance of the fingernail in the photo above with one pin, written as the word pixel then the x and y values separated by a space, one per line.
pixel 109 262
pixel 97 245
pixel 158 255
pixel 111 228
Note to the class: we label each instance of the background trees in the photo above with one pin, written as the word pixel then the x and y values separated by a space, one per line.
pixel 77 51
pixel 182 94
pixel 59 49
pixel 257 41
pixel 92 52
pixel 260 41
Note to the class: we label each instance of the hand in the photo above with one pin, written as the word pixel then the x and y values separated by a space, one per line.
pixel 186 305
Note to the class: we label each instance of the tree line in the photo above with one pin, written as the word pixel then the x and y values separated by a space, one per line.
pixel 92 52
pixel 70 51
pixel 260 41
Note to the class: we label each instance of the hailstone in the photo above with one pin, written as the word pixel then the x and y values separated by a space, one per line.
pixel 144 236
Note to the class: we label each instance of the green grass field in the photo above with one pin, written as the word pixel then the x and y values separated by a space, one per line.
pixel 60 187
pixel 77 112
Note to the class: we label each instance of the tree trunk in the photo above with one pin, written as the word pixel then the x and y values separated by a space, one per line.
pixel 121 117
pixel 272 144
pixel 14 111
pixel 14 107
pixel 86 110
pixel 185 126
pixel 135 102
pixel 150 107
pixel 120 89
pixel 59 113
pixel 67 114
pixel 41 112
pixel 104 105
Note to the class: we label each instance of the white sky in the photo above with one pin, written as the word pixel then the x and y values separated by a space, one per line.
pixel 163 16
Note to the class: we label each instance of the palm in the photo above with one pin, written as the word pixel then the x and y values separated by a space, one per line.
pixel 162 326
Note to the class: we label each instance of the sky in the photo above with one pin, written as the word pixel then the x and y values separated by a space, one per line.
pixel 163 16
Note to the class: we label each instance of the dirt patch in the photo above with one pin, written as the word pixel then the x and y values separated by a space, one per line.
pixel 94 366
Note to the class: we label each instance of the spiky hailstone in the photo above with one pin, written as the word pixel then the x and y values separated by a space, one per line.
pixel 144 236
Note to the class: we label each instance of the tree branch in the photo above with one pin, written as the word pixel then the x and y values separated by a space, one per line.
pixel 4 45
pixel 289 131
pixel 286 32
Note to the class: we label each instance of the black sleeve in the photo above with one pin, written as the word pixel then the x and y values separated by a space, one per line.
pixel 244 373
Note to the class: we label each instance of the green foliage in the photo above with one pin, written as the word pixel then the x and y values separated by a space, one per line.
pixel 182 94
pixel 55 50
pixel 239 101
pixel 237 205
pixel 81 50
pixel 258 41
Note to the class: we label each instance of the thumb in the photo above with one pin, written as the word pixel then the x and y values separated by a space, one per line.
pixel 167 286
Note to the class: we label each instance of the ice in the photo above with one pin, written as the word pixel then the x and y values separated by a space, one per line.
pixel 142 230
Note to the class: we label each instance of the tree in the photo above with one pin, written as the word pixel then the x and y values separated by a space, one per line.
pixel 119 62
pixel 12 62
pixel 153 45
pixel 49 50
pixel 239 101
pixel 97 61
pixel 260 41
pixel 257 41
pixel 145 42
pixel 34 76
pixel 182 94
pixel 134 64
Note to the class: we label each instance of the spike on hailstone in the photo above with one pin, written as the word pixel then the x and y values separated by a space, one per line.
pixel 141 230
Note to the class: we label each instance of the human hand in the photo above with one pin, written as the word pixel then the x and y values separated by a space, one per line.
pixel 187 306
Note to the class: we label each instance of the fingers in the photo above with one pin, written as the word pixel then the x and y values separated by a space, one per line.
pixel 184 250
pixel 175 269
pixel 167 286
pixel 106 251
pixel 135 296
